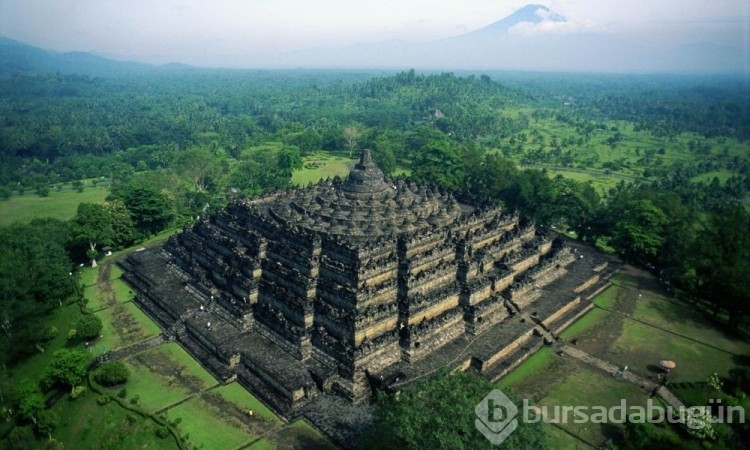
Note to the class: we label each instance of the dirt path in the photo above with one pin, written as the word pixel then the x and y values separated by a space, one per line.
pixel 104 285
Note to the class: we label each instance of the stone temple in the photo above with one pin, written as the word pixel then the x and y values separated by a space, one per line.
pixel 347 286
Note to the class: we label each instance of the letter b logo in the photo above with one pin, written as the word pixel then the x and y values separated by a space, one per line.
pixel 496 417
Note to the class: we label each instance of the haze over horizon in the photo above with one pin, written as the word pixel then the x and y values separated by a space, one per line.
pixel 259 33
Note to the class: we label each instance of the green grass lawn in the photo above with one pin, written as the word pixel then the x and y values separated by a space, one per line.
pixel 115 272
pixel 558 439
pixel 208 427
pixel 97 299
pixel 536 363
pixel 86 425
pixel 589 321
pixel 58 205
pixel 123 325
pixel 615 331
pixel 607 298
pixel 642 347
pixel 600 181
pixel 238 395
pixel 262 444
pixel 592 388
pixel 154 391
pixel 122 291
pixel 327 166
pixel 661 327
pixel 671 315
pixel 88 276
pixel 165 375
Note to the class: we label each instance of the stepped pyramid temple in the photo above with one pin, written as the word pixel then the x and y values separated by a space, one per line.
pixel 326 293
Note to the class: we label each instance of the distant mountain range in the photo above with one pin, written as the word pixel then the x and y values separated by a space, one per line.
pixel 17 57
pixel 532 38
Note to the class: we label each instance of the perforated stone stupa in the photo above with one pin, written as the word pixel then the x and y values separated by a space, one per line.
pixel 347 286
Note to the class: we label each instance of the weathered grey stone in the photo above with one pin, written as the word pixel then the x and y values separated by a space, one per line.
pixel 347 284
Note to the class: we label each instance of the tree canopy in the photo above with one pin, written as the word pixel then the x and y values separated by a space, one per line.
pixel 440 414
pixel 34 279
pixel 68 367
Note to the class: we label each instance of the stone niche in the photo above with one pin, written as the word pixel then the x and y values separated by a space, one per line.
pixel 333 288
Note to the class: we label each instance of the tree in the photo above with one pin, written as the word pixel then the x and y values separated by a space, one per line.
pixel 638 235
pixel 53 444
pixel 112 373
pixel 532 193
pixel 123 230
pixel 92 225
pixel 46 423
pixel 88 326
pixel 265 167
pixel 489 175
pixel 199 166
pixel 639 435
pixel 352 135
pixel 575 203
pixel 20 438
pixel 439 162
pixel 440 414
pixel 722 262
pixel 68 367
pixel 29 400
pixel 383 153
pixel 34 280
pixel 152 209
pixel 307 141
pixel 290 159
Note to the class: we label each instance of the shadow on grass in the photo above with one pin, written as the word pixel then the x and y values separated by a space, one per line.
pixel 741 360
pixel 654 369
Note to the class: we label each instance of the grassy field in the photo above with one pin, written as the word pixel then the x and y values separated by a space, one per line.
pixel 598 389
pixel 112 292
pixel 58 205
pixel 536 363
pixel 165 375
pixel 722 175
pixel 86 425
pixel 239 396
pixel 634 323
pixel 590 321
pixel 698 345
pixel 208 426
pixel 601 182
pixel 123 325
pixel 320 166
pixel 597 160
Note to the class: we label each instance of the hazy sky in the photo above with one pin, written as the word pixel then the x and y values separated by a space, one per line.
pixel 220 32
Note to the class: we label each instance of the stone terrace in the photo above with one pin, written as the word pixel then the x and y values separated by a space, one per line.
pixel 311 298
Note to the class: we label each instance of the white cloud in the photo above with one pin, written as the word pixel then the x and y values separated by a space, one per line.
pixel 551 27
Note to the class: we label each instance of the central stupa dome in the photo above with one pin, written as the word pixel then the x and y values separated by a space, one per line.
pixel 367 203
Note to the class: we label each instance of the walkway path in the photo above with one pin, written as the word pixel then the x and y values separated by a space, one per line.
pixel 130 350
